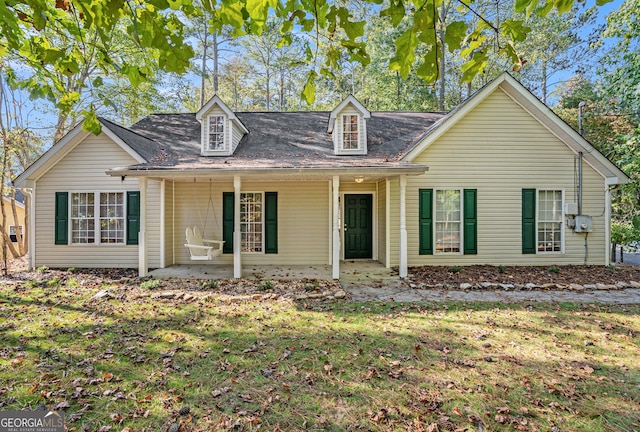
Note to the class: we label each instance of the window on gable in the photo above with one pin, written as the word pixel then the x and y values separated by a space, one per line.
pixel 97 222
pixel 448 220
pixel 251 221
pixel 216 133
pixel 350 133
pixel 549 222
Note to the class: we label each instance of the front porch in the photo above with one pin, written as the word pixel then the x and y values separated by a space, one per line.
pixel 355 271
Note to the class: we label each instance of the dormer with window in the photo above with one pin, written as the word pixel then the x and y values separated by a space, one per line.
pixel 348 127
pixel 221 130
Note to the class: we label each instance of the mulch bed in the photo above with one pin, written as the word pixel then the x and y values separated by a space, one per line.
pixel 522 275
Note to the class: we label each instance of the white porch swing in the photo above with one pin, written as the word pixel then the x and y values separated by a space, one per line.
pixel 202 249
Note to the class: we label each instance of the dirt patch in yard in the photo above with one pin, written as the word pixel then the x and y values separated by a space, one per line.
pixel 538 275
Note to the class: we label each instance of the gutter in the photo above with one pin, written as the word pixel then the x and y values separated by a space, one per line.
pixel 266 172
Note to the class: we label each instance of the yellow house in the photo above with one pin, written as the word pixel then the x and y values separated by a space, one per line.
pixel 499 180
pixel 14 225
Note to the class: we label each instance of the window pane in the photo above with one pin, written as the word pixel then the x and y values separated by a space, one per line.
pixel 350 132
pixel 448 222
pixel 112 217
pixel 82 213
pixel 216 132
pixel 251 222
pixel 550 221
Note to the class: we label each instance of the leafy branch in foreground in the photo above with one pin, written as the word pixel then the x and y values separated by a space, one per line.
pixel 157 28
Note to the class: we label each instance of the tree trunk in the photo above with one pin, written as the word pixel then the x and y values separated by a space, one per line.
pixel 442 65
pixel 215 63
pixel 60 127
pixel 544 82
pixel 203 70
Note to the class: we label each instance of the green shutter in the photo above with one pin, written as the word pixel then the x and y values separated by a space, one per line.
pixel 528 221
pixel 470 204
pixel 271 222
pixel 62 218
pixel 133 217
pixel 425 223
pixel 227 221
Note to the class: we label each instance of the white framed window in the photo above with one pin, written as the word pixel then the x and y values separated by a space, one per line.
pixel 97 221
pixel 549 223
pixel 350 132
pixel 251 222
pixel 112 217
pixel 447 220
pixel 13 235
pixel 215 131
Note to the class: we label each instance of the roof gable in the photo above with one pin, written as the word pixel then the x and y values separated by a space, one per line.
pixel 366 114
pixel 538 110
pixel 216 101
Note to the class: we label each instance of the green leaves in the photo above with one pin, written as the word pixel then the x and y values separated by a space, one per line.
pixel 405 53
pixel 91 123
pixel 309 90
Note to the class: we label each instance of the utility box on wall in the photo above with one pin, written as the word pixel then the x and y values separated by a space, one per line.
pixel 583 223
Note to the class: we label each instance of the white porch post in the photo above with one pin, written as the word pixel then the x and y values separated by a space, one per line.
pixel 403 226
pixel 237 262
pixel 336 229
pixel 142 235
pixel 31 228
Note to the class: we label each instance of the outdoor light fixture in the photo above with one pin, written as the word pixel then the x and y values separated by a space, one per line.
pixel 359 179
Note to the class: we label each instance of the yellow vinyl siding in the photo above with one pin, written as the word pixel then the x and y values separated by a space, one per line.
pixel 303 236
pixel 83 170
pixel 499 149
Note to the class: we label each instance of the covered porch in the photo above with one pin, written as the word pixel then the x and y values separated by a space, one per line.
pixel 350 271
pixel 312 235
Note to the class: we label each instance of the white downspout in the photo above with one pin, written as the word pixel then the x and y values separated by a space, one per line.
pixel 237 261
pixel 31 243
pixel 403 270
pixel 142 235
pixel 336 228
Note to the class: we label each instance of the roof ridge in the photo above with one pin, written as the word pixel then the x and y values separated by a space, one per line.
pixel 127 129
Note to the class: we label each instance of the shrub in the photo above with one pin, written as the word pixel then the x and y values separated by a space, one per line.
pixel 266 286
pixel 209 284
pixel 554 269
pixel 455 269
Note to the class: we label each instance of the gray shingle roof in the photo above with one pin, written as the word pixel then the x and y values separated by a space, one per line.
pixel 276 140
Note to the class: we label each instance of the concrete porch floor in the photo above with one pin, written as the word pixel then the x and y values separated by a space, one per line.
pixel 350 271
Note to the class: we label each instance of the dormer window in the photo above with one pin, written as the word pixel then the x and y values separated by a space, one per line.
pixel 216 141
pixel 348 127
pixel 350 135
pixel 220 129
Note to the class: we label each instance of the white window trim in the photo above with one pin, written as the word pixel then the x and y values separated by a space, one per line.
pixel 461 221
pixel 96 217
pixel 358 148
pixel 225 133
pixel 261 223
pixel 361 149
pixel 562 232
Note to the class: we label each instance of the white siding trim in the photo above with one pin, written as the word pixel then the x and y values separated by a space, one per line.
pixel 403 270
pixel 237 255
pixel 122 144
pixel 32 226
pixel 163 230
pixel 336 228
pixel 45 162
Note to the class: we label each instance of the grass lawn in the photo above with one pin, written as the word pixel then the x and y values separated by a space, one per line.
pixel 137 363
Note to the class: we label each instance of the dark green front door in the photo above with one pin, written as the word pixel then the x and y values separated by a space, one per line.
pixel 358 231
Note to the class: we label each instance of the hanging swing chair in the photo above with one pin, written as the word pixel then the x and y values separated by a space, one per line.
pixel 202 249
